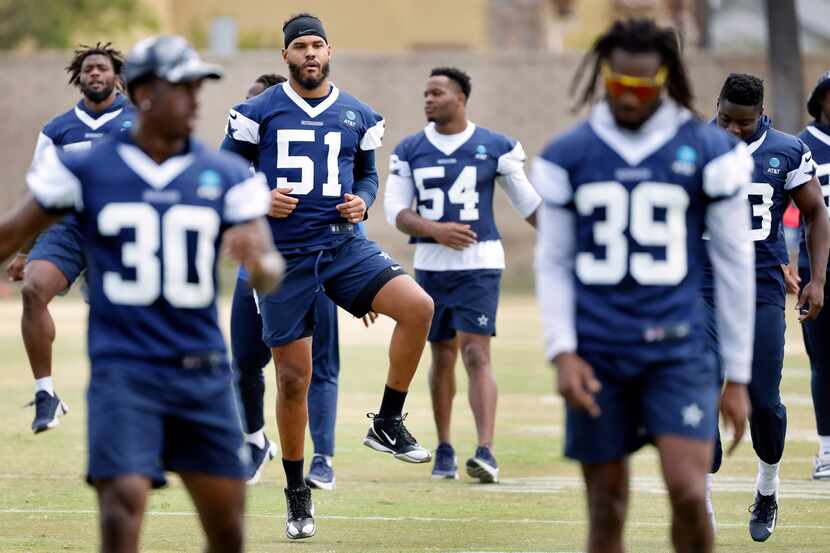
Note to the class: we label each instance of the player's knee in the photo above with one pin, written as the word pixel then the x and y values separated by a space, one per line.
pixel 476 358
pixel 608 510
pixel 35 293
pixel 121 509
pixel 419 310
pixel 292 382
pixel 688 498
pixel 226 538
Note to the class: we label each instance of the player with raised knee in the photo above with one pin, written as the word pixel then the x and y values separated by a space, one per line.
pixel 154 206
pixel 250 356
pixel 49 264
pixel 817 331
pixel 783 171
pixel 627 196
pixel 316 143
pixel 449 171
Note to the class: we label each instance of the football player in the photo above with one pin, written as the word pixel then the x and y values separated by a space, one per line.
pixel 627 195
pixel 449 170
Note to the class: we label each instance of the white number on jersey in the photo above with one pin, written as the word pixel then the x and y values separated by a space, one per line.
pixel 462 192
pixel 763 192
pixel 305 164
pixel 635 211
pixel 142 254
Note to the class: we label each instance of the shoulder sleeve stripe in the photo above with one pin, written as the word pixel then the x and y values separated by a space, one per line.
pixel 802 174
pixel 727 174
pixel 247 200
pixel 242 128
pixel 399 167
pixel 53 185
pixel 513 160
pixel 552 182
pixel 43 144
pixel 373 137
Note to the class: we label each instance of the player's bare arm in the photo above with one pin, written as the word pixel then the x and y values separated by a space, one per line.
pixel 810 202
pixel 453 235
pixel 20 224
pixel 251 244
pixel 576 383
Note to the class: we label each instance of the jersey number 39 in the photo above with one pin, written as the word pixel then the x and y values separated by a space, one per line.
pixel 636 211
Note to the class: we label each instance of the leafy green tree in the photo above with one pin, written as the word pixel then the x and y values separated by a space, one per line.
pixel 51 23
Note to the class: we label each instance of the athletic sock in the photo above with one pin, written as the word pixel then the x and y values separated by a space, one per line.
pixel 257 438
pixel 45 385
pixel 293 474
pixel 392 403
pixel 767 482
pixel 824 447
pixel 710 508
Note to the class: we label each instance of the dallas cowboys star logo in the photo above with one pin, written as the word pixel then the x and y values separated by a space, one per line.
pixel 483 320
pixel 692 415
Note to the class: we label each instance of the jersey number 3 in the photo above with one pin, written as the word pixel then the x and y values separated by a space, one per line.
pixel 142 254
pixel 635 210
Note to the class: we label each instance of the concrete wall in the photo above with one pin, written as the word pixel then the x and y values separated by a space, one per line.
pixel 522 95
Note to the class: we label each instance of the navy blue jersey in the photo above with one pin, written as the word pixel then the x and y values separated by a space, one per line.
pixel 78 128
pixel 309 148
pixel 151 237
pixel 457 185
pixel 817 138
pixel 781 163
pixel 639 201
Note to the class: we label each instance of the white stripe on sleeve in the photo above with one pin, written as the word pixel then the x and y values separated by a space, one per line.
pixel 247 200
pixel 52 184
pixel 728 173
pixel 373 137
pixel 804 173
pixel 242 128
pixel 555 245
pixel 732 254
pixel 552 182
pixel 399 194
pixel 512 178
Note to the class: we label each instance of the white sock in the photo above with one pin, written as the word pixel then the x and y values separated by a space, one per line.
pixel 767 482
pixel 824 447
pixel 257 438
pixel 45 384
pixel 709 507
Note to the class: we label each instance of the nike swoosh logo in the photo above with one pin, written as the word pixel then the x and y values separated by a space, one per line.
pixel 232 115
pixel 391 441
pixel 307 31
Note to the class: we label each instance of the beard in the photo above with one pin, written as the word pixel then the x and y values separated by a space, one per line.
pixel 308 83
pixel 97 96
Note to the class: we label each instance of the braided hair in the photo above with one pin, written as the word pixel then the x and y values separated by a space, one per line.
pixel 84 51
pixel 636 35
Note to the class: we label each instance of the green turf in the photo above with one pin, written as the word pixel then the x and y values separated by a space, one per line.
pixel 381 504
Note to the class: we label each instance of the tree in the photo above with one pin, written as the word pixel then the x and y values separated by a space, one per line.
pixel 51 23
pixel 785 64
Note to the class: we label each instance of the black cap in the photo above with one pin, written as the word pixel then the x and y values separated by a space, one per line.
pixel 170 58
pixel 814 103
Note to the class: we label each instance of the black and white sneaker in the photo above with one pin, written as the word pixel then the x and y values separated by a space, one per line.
pixel 48 410
pixel 764 516
pixel 821 468
pixel 483 466
pixel 299 518
pixel 389 435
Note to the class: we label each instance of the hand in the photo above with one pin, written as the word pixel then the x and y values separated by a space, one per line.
pixel 576 382
pixel 734 408
pixel 791 279
pixel 16 268
pixel 281 204
pixel 810 301
pixel 353 209
pixel 369 318
pixel 454 235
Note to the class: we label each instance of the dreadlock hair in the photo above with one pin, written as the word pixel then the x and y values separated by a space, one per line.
pixel 636 35
pixel 456 75
pixel 743 89
pixel 83 51
pixel 270 79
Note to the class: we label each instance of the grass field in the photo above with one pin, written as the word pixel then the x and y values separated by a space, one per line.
pixel 381 504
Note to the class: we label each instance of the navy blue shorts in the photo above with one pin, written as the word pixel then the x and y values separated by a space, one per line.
pixel 464 300
pixel 641 401
pixel 62 245
pixel 148 419
pixel 351 274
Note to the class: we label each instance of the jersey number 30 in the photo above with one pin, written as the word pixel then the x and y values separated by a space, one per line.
pixel 142 254
pixel 635 210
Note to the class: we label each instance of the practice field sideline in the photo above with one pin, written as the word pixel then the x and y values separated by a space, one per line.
pixel 381 504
